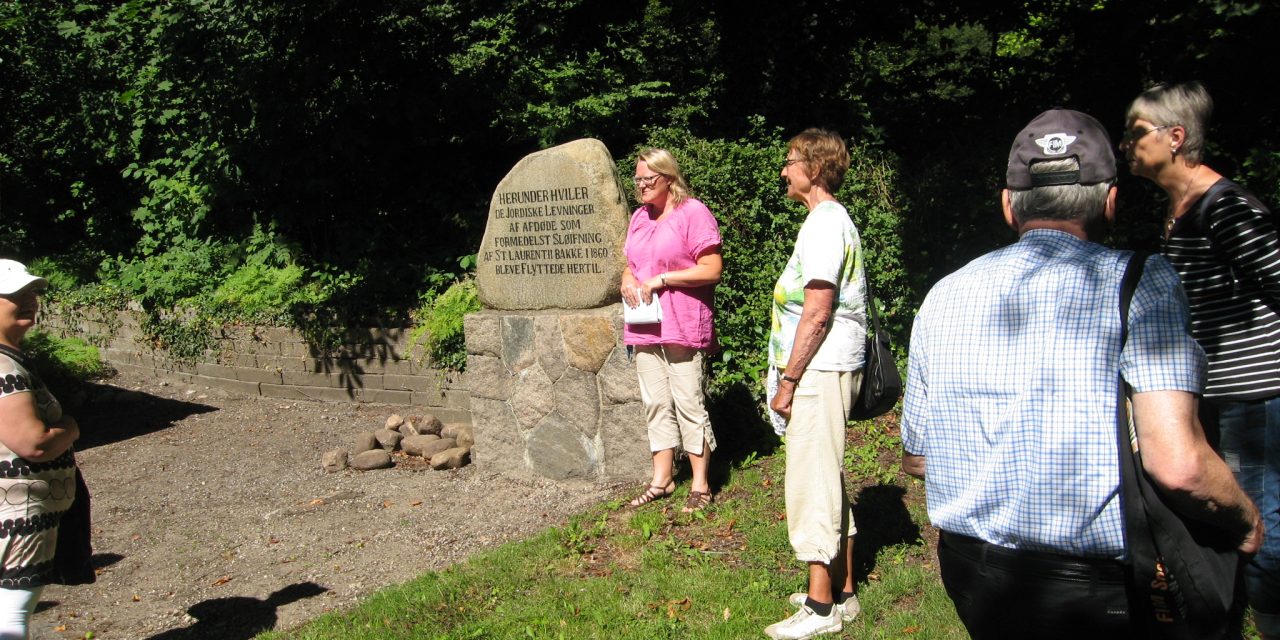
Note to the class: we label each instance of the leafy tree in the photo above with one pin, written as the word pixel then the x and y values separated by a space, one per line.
pixel 147 140
pixel 58 192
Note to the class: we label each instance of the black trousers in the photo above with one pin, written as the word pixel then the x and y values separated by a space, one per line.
pixel 1007 593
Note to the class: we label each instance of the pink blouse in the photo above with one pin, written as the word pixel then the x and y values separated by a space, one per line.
pixel 673 244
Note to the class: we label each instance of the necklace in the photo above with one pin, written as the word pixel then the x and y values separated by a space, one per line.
pixel 1176 205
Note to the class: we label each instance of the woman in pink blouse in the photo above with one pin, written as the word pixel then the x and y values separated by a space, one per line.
pixel 673 252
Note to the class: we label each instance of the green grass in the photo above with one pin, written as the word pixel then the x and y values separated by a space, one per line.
pixel 652 572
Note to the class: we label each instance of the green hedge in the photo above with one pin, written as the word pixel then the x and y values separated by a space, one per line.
pixel 263 279
pixel 739 181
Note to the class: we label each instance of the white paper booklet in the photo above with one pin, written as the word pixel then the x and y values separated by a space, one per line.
pixel 645 313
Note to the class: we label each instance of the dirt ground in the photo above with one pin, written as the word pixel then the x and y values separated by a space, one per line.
pixel 213 519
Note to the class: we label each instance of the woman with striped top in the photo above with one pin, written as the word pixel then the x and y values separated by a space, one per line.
pixel 1224 244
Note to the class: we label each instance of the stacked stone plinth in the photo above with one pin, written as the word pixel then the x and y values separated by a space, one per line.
pixel 553 394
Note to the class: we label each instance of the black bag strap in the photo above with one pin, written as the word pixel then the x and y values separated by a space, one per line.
pixel 1194 598
pixel 1203 203
pixel 1213 194
pixel 871 307
pixel 1129 493
pixel 1128 285
pixel 12 353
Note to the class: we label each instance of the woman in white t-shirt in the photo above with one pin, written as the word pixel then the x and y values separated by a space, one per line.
pixel 816 345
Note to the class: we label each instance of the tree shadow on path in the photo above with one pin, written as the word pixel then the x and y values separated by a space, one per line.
pixel 239 617
pixel 114 415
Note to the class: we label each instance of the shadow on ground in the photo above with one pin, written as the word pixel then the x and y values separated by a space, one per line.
pixel 883 521
pixel 879 511
pixel 239 617
pixel 99 561
pixel 109 414
pixel 740 431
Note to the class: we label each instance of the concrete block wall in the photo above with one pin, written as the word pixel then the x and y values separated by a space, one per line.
pixel 373 364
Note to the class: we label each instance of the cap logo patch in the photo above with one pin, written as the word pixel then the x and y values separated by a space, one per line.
pixel 1055 144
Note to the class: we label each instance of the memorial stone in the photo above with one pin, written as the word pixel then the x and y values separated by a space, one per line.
pixel 553 393
pixel 557 223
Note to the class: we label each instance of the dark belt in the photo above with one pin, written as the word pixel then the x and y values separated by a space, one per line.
pixel 1038 563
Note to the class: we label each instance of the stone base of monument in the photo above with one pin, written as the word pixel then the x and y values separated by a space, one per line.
pixel 553 394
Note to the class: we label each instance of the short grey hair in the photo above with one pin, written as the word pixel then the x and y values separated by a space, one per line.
pixel 1086 202
pixel 1187 105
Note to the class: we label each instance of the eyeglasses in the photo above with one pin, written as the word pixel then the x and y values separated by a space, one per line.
pixel 791 161
pixel 646 181
pixel 1132 136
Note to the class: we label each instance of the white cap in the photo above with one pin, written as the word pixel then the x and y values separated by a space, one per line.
pixel 14 277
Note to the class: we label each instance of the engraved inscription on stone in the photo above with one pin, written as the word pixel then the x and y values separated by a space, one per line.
pixel 556 227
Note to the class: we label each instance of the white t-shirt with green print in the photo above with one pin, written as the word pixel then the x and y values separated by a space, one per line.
pixel 828 249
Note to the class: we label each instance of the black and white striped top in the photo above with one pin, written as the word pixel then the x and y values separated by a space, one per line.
pixel 1228 254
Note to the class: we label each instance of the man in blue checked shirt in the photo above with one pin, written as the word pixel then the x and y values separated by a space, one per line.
pixel 1011 400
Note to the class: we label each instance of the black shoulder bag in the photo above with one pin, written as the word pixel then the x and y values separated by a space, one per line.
pixel 1184 572
pixel 881 382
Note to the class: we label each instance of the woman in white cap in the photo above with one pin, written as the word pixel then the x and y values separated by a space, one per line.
pixel 37 467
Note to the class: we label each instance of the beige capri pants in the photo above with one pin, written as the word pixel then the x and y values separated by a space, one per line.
pixel 671 383
pixel 819 517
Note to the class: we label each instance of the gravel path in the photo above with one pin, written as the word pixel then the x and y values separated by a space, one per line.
pixel 213 519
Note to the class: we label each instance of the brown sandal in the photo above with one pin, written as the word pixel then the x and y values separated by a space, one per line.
pixel 698 500
pixel 652 493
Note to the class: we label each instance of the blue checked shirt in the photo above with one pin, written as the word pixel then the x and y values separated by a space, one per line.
pixel 1011 390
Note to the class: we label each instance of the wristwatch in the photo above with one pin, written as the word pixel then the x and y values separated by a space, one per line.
pixel 663 278
pixel 790 379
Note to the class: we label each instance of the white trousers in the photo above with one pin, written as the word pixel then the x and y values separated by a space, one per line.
pixel 671 381
pixel 16 607
pixel 819 517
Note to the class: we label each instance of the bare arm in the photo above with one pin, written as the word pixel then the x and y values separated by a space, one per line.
pixel 815 322
pixel 706 271
pixel 25 434
pixel 629 284
pixel 913 465
pixel 1179 460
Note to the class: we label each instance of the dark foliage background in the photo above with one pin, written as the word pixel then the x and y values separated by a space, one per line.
pixel 282 160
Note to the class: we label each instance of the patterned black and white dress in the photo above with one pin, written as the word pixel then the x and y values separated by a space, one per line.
pixel 36 494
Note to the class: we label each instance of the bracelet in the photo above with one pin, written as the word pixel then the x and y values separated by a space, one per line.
pixel 790 379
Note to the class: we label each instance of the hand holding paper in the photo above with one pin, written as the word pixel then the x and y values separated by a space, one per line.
pixel 644 312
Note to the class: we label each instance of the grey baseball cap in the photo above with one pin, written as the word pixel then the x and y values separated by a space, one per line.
pixel 1057 134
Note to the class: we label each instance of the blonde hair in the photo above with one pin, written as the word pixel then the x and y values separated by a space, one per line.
pixel 661 161
pixel 1187 105
pixel 823 151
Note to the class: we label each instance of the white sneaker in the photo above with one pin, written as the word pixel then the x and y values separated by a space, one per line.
pixel 849 609
pixel 805 623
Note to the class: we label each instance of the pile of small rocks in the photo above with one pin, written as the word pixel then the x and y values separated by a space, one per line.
pixel 443 446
